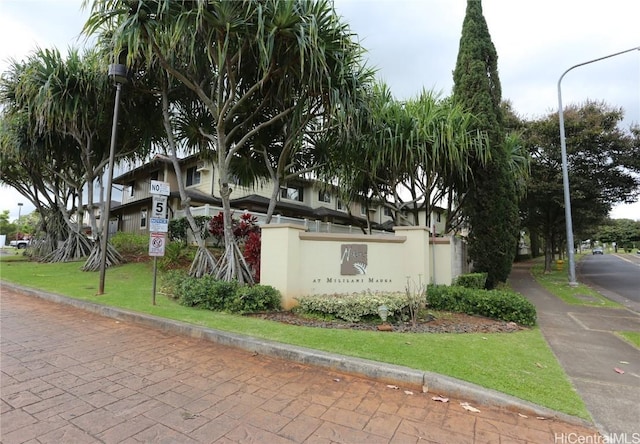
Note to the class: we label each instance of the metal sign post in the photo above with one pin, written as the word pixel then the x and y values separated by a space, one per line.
pixel 158 227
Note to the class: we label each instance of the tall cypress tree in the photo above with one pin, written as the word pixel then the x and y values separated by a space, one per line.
pixel 491 202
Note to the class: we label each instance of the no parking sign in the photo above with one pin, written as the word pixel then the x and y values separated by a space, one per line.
pixel 156 244
pixel 159 225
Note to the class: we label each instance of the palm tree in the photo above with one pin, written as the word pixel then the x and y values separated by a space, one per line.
pixel 33 95
pixel 67 103
pixel 250 64
pixel 393 149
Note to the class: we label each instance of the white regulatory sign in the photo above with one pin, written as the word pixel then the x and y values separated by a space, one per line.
pixel 158 225
pixel 159 207
pixel 156 244
pixel 158 187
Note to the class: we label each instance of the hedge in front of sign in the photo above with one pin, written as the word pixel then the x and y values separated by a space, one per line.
pixel 496 304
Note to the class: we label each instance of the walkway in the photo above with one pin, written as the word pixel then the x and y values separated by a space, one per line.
pixel 584 342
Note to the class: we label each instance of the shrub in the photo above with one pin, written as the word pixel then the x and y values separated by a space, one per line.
pixel 195 292
pixel 255 299
pixel 178 229
pixel 241 228
pixel 472 280
pixel 207 292
pixel 202 222
pixel 497 304
pixel 132 247
pixel 171 282
pixel 212 294
pixel 354 307
pixel 176 255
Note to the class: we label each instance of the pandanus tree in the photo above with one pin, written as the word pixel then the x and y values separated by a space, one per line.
pixel 37 100
pixel 23 167
pixel 407 154
pixel 250 64
pixel 66 105
pixel 183 117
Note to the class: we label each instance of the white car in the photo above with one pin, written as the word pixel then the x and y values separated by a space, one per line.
pixel 20 243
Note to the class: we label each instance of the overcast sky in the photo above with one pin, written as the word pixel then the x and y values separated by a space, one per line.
pixel 414 45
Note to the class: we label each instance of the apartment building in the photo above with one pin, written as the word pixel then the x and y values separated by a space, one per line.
pixel 302 199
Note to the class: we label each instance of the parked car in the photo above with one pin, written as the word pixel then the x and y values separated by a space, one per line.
pixel 20 243
pixel 597 250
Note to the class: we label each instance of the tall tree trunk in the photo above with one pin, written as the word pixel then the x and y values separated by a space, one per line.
pixel 232 265
pixel 204 263
pixel 274 199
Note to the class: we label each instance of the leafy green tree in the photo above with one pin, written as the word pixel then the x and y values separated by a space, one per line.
pixel 7 228
pixel 601 170
pixel 624 232
pixel 491 201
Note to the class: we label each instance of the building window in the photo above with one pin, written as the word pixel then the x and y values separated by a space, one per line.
pixel 363 210
pixel 291 193
pixel 388 212
pixel 339 205
pixel 154 175
pixel 193 176
pixel 324 196
pixel 439 217
pixel 143 218
pixel 132 188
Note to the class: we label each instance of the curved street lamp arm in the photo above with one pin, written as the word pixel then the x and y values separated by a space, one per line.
pixel 565 172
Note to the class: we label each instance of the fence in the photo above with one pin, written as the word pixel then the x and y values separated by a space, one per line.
pixel 312 226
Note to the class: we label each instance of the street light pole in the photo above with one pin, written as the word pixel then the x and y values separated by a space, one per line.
pixel 19 210
pixel 119 74
pixel 565 173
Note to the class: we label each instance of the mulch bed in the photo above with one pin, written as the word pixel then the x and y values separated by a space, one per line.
pixel 446 323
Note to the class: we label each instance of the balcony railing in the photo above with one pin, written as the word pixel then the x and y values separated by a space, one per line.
pixel 313 226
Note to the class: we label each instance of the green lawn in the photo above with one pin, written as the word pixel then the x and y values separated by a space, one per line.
pixel 520 364
pixel 556 282
pixel 633 337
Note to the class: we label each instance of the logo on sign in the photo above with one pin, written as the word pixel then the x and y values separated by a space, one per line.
pixel 353 259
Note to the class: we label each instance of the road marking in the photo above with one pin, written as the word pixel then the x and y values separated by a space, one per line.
pixel 626 259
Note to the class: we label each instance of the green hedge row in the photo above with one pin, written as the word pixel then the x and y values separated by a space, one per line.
pixel 213 294
pixel 497 304
pixel 472 280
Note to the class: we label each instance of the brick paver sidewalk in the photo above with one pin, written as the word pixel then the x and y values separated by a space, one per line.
pixel 69 376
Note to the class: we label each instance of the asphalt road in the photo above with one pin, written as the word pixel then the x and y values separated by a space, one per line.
pixel 616 273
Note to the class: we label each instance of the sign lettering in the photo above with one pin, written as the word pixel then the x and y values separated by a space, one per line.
pixel 159 225
pixel 159 207
pixel 158 187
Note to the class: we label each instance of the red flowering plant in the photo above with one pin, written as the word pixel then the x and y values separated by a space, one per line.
pixel 246 232
pixel 252 249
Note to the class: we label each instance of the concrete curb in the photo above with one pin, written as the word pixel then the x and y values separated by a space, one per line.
pixel 390 373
